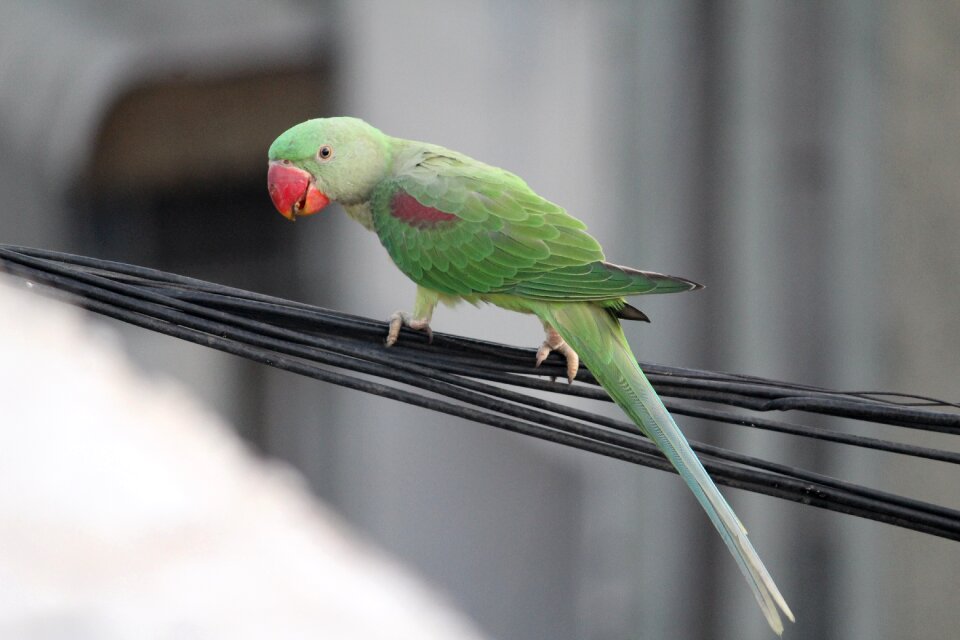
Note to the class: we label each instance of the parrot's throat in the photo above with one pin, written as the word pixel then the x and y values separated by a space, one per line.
pixel 361 213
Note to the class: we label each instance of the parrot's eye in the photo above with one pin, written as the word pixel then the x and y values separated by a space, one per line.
pixel 325 152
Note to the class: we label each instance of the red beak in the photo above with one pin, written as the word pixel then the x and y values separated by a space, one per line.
pixel 293 191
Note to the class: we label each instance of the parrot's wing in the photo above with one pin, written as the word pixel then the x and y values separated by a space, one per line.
pixel 462 227
pixel 598 281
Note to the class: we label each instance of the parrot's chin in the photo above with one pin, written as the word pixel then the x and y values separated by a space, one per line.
pixel 293 191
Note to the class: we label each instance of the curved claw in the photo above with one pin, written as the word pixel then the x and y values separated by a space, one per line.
pixel 554 342
pixel 399 319
pixel 422 325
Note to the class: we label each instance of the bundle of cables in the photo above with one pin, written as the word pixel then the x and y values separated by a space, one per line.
pixel 486 382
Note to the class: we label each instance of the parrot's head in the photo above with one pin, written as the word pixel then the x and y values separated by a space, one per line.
pixel 322 160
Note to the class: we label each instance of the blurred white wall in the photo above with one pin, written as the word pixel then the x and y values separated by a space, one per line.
pixel 129 510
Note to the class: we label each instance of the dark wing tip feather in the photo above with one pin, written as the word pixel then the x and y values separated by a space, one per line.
pixel 630 312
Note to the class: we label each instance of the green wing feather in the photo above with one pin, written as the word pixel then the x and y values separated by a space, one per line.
pixel 503 238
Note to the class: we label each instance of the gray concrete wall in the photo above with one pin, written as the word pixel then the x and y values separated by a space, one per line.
pixel 745 146
pixel 921 262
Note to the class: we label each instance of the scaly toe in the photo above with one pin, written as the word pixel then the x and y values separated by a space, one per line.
pixel 573 362
pixel 555 343
pixel 543 352
pixel 397 320
pixel 400 319
pixel 424 326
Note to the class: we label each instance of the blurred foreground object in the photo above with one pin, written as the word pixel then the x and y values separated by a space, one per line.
pixel 131 512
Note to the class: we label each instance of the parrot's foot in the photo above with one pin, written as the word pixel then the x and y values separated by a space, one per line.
pixel 554 342
pixel 400 319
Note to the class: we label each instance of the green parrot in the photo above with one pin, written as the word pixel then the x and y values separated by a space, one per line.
pixel 464 230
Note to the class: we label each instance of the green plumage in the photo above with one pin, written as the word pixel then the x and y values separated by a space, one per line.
pixel 599 340
pixel 505 239
pixel 461 229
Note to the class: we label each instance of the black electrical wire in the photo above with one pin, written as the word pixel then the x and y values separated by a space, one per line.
pixel 321 343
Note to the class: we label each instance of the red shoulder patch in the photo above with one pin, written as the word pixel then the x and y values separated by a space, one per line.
pixel 405 207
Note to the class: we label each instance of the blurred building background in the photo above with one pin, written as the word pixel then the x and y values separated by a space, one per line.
pixel 800 158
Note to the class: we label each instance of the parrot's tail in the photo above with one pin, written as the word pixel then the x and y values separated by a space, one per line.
pixel 595 334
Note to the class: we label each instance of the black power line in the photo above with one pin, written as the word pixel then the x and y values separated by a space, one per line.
pixel 455 375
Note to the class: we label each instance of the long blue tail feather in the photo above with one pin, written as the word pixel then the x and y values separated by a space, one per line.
pixel 595 334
